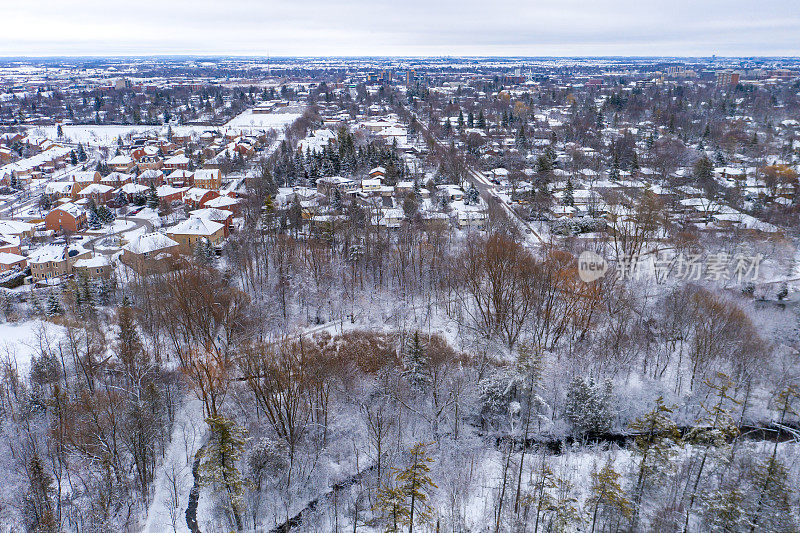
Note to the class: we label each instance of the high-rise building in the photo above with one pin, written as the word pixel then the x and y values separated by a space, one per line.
pixel 727 77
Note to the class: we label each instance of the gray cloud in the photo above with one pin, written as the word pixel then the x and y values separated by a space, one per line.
pixel 413 27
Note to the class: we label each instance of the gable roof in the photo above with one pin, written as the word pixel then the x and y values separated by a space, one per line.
pixel 196 226
pixel 149 242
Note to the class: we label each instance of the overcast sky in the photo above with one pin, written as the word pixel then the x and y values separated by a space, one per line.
pixel 400 27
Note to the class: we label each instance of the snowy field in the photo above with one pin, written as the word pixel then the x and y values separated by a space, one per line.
pixel 248 120
pixel 21 341
pixel 105 135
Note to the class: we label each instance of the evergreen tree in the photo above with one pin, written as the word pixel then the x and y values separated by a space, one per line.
pixel 39 499
pixel 218 468
pixel 588 406
pixel 415 363
pixel 569 194
pixel 296 214
pixel 152 198
pixel 204 251
pixel 53 305
pixel 336 200
pixel 614 174
pixel 606 499
pixel 391 504
pixel 81 153
pixel 408 502
pixel 481 120
pixel 473 195
pixel 521 140
pixel 656 435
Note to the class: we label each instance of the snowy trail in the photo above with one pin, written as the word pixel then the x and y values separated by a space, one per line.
pixel 173 482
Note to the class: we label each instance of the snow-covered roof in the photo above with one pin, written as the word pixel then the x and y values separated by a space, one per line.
pixel 10 259
pixel 96 188
pixel 70 208
pixel 98 261
pixel 14 227
pixel 196 226
pixel 222 201
pixel 217 215
pixel 134 188
pixel 179 159
pixel 148 243
pixel 168 190
pixel 55 252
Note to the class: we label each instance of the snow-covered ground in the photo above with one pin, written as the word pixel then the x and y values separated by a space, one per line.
pixel 104 135
pixel 21 341
pixel 248 120
pixel 174 480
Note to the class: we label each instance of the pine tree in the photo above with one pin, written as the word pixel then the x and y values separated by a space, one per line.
pixel 391 504
pixel 472 195
pixel 415 363
pixel 588 406
pixel 152 198
pixel 296 214
pixel 656 435
pixel 408 503
pixel 336 200
pixel 218 468
pixel 773 508
pixel 39 499
pixel 569 194
pixel 53 305
pixel 606 498
pixel 481 120
pixel 203 251
pixel 129 348
pixel 521 140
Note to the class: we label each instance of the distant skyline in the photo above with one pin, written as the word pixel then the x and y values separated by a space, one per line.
pixel 402 28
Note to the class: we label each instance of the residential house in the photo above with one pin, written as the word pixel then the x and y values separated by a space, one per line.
pixel 344 185
pixel 122 163
pixel 217 215
pixel 98 266
pixel 101 194
pixel 9 261
pixel 224 202
pixel 83 180
pixel 207 178
pixel 55 261
pixel 197 197
pixel 150 252
pixel 169 194
pixel 180 178
pixel 189 232
pixel 176 162
pixel 67 217
pixel 151 178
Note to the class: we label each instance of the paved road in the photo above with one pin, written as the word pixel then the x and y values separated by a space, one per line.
pixel 488 190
